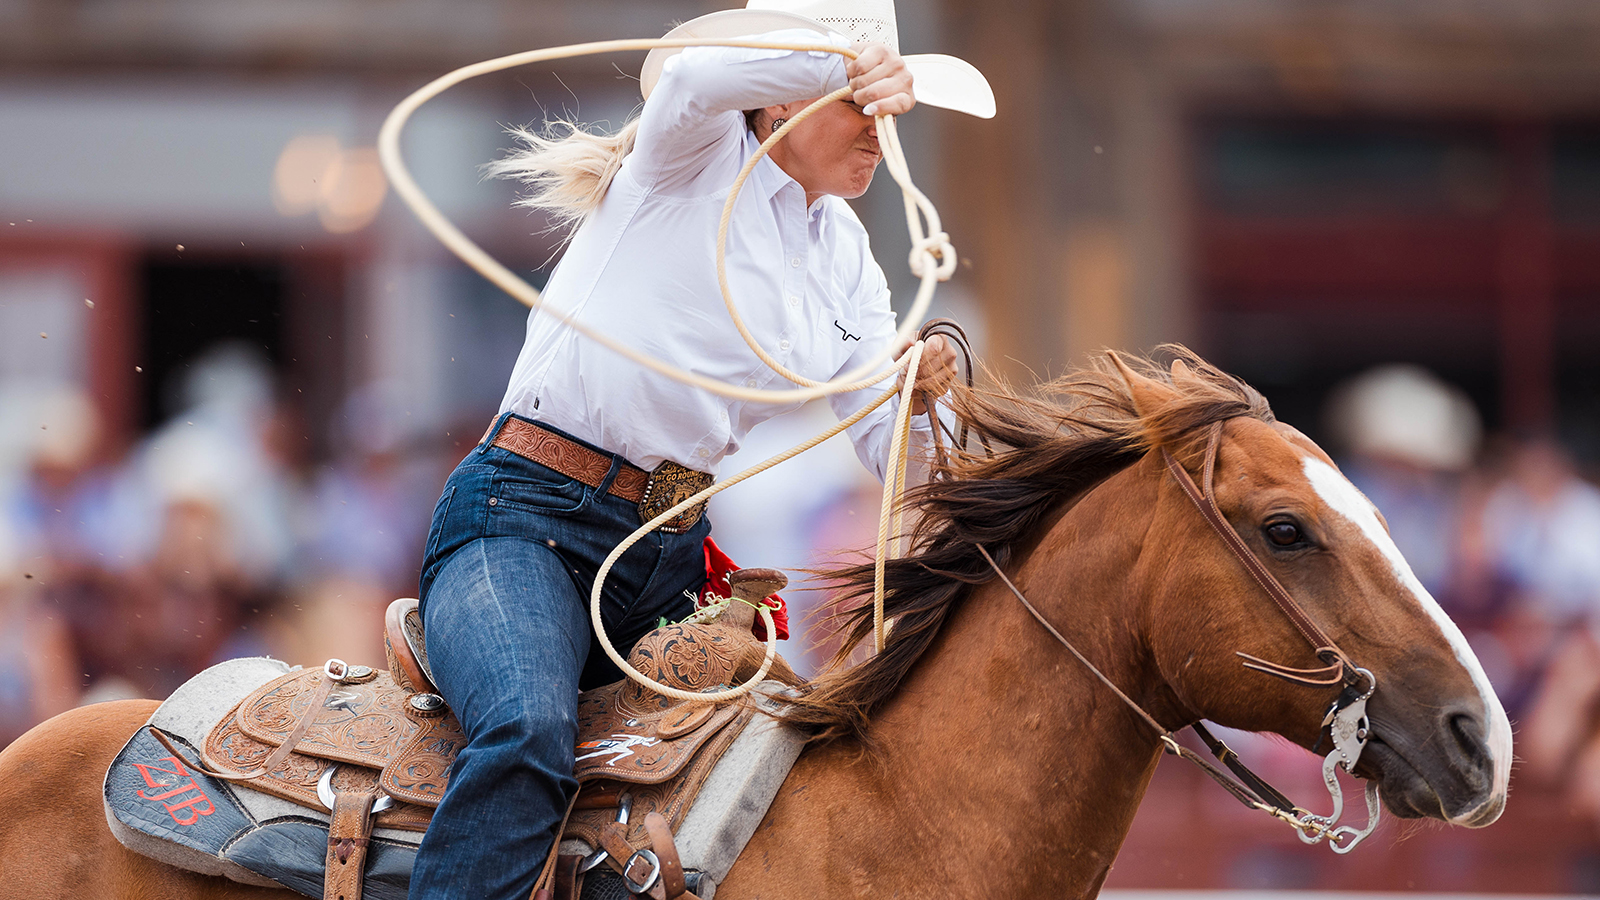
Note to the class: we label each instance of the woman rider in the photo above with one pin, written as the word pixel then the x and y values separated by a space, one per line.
pixel 527 517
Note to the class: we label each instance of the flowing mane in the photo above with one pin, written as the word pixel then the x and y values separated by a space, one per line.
pixel 1079 430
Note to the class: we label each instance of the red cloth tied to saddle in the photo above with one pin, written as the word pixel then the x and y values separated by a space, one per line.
pixel 718 565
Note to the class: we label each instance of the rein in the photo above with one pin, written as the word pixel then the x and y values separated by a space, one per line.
pixel 1346 719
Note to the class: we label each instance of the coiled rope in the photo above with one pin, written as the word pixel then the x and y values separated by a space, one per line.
pixel 932 260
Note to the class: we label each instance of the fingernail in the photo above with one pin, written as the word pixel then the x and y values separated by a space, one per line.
pixel 870 109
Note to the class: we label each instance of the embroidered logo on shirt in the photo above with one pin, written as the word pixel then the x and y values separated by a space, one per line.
pixel 845 335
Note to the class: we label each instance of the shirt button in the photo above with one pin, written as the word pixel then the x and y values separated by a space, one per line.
pixel 783 345
pixel 795 263
pixel 702 453
pixel 793 300
pixel 749 382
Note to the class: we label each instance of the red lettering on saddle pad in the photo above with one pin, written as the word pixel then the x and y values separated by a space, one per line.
pixel 190 796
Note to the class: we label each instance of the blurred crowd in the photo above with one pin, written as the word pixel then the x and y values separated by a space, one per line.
pixel 214 536
pixel 220 533
pixel 1505 533
pixel 217 535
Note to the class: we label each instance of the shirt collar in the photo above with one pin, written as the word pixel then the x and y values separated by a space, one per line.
pixel 769 179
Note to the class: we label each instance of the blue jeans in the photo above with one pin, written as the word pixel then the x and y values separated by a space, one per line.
pixel 511 557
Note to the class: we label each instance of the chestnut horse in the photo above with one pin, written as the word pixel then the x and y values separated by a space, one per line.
pixel 974 757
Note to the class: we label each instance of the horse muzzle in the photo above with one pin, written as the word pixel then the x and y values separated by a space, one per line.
pixel 1450 771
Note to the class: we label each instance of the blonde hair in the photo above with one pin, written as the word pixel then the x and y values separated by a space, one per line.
pixel 567 174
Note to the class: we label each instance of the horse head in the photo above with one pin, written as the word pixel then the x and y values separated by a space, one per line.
pixel 1185 548
pixel 1440 743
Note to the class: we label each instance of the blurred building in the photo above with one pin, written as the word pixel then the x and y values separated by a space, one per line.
pixel 1299 188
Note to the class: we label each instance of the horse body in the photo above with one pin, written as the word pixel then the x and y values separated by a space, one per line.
pixel 975 756
pixel 54 843
pixel 1001 768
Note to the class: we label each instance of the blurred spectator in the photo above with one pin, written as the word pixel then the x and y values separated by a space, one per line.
pixel 362 532
pixel 43 497
pixel 1409 437
pixel 1540 534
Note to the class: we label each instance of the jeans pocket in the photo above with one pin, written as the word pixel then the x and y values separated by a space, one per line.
pixel 537 487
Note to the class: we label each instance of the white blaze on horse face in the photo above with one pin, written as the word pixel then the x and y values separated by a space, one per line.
pixel 1343 497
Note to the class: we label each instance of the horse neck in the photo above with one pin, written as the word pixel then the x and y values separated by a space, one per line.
pixel 1003 741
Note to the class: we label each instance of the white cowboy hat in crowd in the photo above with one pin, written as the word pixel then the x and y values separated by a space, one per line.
pixel 938 80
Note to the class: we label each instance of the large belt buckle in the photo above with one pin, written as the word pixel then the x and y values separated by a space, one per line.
pixel 669 485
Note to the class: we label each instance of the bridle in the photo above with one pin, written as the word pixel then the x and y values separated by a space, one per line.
pixel 1346 720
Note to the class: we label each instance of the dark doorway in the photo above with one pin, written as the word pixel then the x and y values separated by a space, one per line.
pixel 190 307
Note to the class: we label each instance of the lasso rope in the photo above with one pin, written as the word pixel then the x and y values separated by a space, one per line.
pixel 932 260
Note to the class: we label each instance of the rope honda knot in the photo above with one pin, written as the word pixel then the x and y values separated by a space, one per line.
pixel 935 247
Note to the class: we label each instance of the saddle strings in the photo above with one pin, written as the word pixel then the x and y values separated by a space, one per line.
pixel 932 260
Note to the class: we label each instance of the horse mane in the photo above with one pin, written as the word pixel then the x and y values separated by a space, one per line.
pixel 1079 430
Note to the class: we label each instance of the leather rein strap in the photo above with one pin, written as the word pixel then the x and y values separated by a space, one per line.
pixel 1251 790
pixel 1339 668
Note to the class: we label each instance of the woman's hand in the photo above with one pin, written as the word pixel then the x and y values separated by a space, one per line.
pixel 881 81
pixel 936 371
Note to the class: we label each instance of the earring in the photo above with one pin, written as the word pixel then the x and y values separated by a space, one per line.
pixel 778 123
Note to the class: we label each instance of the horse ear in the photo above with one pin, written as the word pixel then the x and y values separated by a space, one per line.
pixel 1148 394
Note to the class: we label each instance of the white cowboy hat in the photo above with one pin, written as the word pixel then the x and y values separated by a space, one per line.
pixel 939 80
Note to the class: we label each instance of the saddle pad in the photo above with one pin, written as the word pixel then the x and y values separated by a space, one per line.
pixel 161 806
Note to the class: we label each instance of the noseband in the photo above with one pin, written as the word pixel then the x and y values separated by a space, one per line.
pixel 1346 720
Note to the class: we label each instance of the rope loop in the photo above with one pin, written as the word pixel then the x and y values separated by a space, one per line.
pixel 933 259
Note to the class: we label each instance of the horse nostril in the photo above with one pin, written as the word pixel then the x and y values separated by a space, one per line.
pixel 1468 733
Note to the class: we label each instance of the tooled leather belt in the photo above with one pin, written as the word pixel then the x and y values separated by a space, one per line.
pixel 654 492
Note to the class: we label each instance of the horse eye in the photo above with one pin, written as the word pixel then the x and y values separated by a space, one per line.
pixel 1284 534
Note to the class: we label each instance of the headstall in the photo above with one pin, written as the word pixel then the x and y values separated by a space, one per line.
pixel 1346 720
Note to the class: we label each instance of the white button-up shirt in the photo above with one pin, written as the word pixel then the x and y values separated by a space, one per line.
pixel 643 269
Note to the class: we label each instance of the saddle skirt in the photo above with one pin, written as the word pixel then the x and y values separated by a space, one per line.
pixel 368 730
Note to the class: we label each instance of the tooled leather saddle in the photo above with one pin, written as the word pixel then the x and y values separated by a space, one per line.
pixel 374 748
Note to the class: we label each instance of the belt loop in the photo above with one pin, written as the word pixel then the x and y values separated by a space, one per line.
pixel 493 432
pixel 617 462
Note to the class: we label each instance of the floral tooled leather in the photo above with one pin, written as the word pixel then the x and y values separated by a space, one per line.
pixel 555 452
pixel 295 779
pixel 418 774
pixel 692 657
pixel 671 798
pixel 364 724
pixel 662 749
